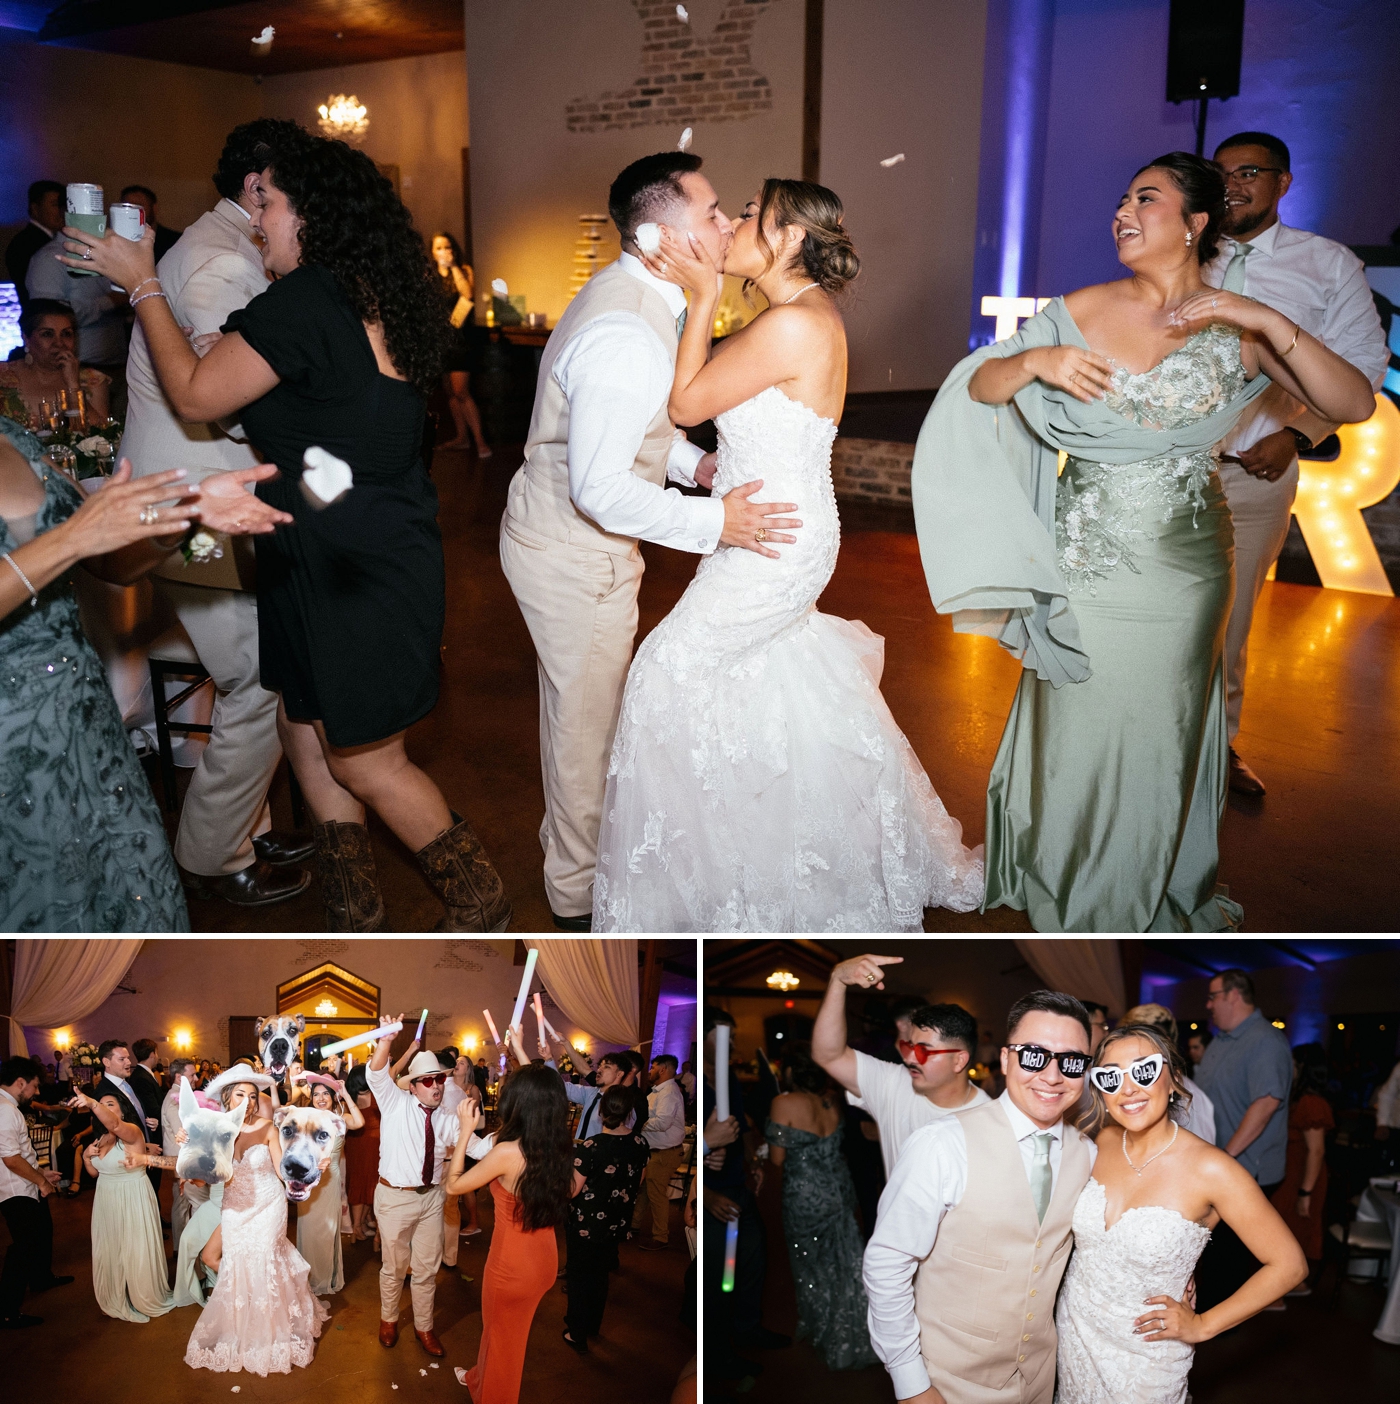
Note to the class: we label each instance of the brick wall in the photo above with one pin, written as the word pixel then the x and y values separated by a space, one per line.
pixel 683 77
pixel 870 470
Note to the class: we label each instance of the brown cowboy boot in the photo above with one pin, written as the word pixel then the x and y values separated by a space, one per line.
pixel 462 876
pixel 349 888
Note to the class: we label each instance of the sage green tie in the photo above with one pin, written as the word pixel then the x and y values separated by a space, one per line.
pixel 1234 270
pixel 1040 1174
pixel 680 322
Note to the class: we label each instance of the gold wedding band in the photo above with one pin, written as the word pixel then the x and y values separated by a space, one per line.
pixel 761 534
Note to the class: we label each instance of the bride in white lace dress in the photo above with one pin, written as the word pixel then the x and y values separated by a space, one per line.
pixel 758 781
pixel 1127 1329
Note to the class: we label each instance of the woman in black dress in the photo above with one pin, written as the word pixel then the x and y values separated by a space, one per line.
pixel 464 352
pixel 339 353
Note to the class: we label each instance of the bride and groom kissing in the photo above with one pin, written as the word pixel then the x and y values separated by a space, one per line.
pixel 743 772
pixel 992 1213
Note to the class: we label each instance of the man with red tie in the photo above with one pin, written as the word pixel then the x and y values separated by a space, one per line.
pixel 415 1137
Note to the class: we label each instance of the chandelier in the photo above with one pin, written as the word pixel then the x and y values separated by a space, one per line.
pixel 327 1010
pixel 783 980
pixel 344 117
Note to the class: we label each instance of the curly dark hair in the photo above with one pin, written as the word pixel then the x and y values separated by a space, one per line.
pixel 535 1112
pixel 1202 188
pixel 248 150
pixel 356 227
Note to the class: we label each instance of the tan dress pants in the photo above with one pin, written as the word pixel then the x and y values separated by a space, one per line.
pixel 1033 1383
pixel 580 606
pixel 410 1237
pixel 1261 512
pixel 226 802
pixel 656 1180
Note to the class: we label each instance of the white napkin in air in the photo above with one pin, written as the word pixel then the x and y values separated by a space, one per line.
pixel 326 478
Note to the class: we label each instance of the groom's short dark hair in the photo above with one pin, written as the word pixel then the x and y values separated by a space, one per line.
pixel 1048 1002
pixel 951 1021
pixel 648 188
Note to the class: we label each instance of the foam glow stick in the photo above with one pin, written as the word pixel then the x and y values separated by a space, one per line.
pixel 722 1071
pixel 524 994
pixel 383 1031
pixel 491 1024
pixel 540 1025
pixel 421 1022
pixel 731 1252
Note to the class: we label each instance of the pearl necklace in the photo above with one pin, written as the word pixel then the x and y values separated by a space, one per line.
pixel 1138 1169
pixel 797 294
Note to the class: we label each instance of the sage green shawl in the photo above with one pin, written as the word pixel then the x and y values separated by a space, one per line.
pixel 984 496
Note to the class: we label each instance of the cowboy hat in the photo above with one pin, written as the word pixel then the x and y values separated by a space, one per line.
pixel 424 1064
pixel 239 1072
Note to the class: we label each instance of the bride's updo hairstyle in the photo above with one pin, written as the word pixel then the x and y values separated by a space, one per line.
pixel 827 255
pixel 1202 187
pixel 1096 1116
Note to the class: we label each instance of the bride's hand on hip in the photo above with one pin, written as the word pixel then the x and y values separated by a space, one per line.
pixel 750 524
pixel 1170 1320
pixel 1084 374
pixel 682 259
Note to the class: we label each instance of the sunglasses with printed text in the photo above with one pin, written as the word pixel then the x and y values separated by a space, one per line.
pixel 1144 1072
pixel 1033 1058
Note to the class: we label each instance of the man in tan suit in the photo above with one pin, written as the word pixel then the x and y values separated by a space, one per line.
pixel 974 1229
pixel 225 846
pixel 600 450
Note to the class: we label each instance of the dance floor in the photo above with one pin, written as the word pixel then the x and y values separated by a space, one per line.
pixel 1314 1350
pixel 1321 726
pixel 642 1349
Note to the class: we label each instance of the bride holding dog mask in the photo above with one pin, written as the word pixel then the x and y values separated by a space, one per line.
pixel 261 1316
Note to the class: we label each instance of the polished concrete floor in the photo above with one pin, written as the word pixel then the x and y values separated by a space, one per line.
pixel 80 1353
pixel 1314 1351
pixel 1321 726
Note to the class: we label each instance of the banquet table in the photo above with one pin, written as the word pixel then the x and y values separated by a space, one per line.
pixel 1381 1204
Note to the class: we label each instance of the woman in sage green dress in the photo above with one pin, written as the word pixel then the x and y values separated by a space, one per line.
pixel 318 1216
pixel 805 1130
pixel 1114 585
pixel 82 845
pixel 128 1254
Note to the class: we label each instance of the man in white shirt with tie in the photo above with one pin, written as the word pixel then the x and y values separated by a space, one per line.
pixel 974 1229
pixel 1322 286
pixel 415 1137
pixel 600 450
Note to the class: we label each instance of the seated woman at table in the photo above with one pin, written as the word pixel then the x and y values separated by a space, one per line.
pixel 82 845
pixel 338 354
pixel 128 1254
pixel 50 368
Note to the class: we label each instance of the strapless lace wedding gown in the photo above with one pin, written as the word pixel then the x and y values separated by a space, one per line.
pixel 261 1316
pixel 1149 1252
pixel 758 781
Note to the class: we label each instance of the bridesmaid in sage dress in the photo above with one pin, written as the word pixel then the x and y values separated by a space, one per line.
pixel 1114 586
pixel 806 1127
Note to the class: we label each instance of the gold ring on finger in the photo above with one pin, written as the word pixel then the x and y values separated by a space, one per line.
pixel 761 534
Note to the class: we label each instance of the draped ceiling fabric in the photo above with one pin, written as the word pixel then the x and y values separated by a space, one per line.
pixel 1086 969
pixel 59 981
pixel 595 983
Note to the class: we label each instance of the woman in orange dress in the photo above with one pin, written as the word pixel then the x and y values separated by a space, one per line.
pixel 531 1173
pixel 1302 1196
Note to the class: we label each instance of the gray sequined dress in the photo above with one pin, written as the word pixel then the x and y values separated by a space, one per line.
pixel 824 1246
pixel 82 846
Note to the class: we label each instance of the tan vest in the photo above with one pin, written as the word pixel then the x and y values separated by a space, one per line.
pixel 539 494
pixel 985 1296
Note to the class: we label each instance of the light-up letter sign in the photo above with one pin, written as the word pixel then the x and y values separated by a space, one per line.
pixel 1009 311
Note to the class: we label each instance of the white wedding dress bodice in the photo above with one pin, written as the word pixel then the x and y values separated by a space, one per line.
pixel 1149 1252
pixel 758 781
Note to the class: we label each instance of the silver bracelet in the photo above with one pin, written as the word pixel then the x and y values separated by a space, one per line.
pixel 14 566
pixel 145 296
pixel 141 285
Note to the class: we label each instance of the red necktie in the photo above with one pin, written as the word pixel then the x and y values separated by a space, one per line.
pixel 429 1146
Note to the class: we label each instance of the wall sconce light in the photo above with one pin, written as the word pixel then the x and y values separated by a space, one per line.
pixel 344 118
pixel 182 1040
pixel 62 1039
pixel 469 1042
pixel 783 980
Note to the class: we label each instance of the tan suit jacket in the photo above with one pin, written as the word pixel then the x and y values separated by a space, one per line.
pixel 214 269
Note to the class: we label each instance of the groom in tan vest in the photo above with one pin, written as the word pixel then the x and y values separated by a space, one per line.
pixel 974 1228
pixel 600 450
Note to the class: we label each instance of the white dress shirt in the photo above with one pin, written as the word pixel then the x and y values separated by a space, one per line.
pixel 129 1092
pixel 1319 284
pixel 887 1093
pixel 665 1126
pixel 14 1140
pixel 170 1123
pixel 929 1179
pixel 590 1121
pixel 1388 1100
pixel 99 312
pixel 1200 1118
pixel 402 1133
pixel 452 1097
pixel 617 376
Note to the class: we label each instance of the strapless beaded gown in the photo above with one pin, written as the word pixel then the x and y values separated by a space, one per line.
pixel 1149 1252
pixel 758 781
pixel 261 1316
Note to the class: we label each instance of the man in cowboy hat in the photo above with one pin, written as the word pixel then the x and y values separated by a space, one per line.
pixel 415 1137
